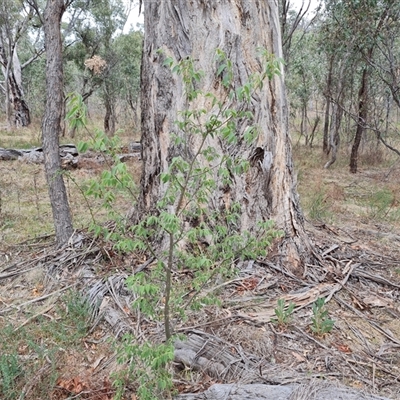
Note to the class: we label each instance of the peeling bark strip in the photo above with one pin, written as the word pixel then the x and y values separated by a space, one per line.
pixel 10 33
pixel 197 29
pixel 259 379
pixel 227 362
pixel 21 110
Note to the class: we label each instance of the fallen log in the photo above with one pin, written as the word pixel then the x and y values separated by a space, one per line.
pixel 9 154
pixel 70 158
pixel 315 390
pixel 35 155
pixel 259 379
pixel 241 392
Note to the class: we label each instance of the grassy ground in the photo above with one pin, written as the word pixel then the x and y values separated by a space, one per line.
pixel 25 211
pixel 327 195
pixel 372 196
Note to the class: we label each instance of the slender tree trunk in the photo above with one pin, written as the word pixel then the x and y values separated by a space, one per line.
pixel 325 146
pixel 314 129
pixel 134 105
pixel 109 117
pixel 51 128
pixel 334 133
pixel 21 110
pixel 362 117
pixel 181 29
pixel 109 104
pixel 304 118
pixel 389 99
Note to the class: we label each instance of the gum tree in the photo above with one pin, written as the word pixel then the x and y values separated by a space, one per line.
pixel 196 30
pixel 14 24
pixel 51 126
pixel 358 26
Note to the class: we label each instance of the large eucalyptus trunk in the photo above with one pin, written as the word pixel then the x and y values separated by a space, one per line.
pixel 52 120
pixel 196 29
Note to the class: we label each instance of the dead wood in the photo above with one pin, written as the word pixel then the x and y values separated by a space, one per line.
pixel 109 299
pixel 302 297
pixel 70 158
pixel 66 151
pixel 228 362
pixel 375 278
pixel 9 154
pixel 314 390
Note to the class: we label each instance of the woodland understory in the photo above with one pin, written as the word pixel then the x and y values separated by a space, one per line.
pixel 180 141
pixel 236 342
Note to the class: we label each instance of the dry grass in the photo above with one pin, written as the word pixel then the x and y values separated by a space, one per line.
pixel 330 196
pixel 25 211
pixel 24 138
pixel 336 196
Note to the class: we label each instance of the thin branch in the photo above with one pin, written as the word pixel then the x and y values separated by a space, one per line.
pixel 35 6
pixel 33 58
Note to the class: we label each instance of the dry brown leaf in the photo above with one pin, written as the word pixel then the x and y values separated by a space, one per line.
pixel 298 357
pixel 376 301
pixel 74 385
pixel 344 348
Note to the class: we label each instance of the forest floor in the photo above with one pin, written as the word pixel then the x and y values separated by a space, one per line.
pixel 53 347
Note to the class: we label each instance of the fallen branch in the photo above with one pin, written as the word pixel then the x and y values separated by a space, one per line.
pixel 315 390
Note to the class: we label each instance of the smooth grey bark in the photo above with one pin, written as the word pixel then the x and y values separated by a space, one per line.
pixel 51 128
pixel 21 113
pixel 197 29
pixel 11 31
pixel 328 95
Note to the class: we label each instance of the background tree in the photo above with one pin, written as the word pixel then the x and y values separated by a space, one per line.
pixel 14 24
pixel 97 28
pixel 349 36
pixel 127 50
pixel 291 21
pixel 304 74
pixel 335 62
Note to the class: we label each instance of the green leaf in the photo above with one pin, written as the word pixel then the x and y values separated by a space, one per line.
pixel 168 62
pixel 221 69
pixel 83 147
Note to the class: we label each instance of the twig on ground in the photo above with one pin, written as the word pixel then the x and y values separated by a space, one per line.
pixel 33 317
pixel 35 300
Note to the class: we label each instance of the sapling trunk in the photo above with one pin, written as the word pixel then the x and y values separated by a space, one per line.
pixel 168 286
